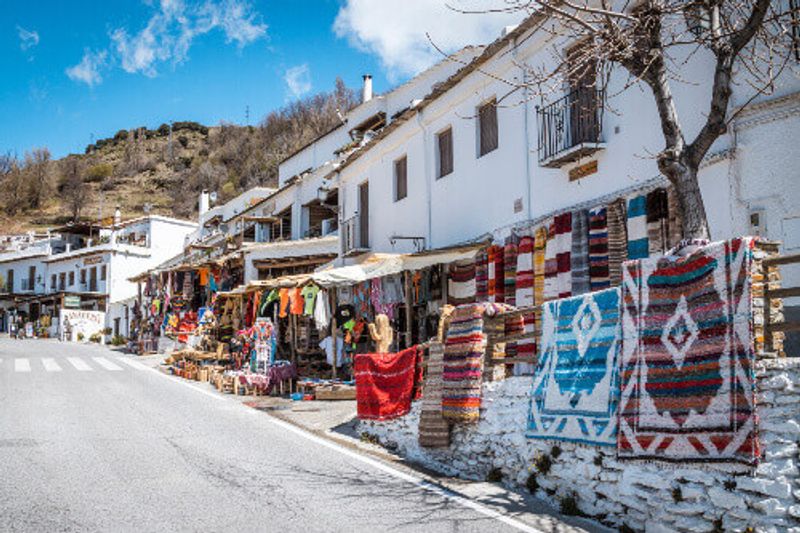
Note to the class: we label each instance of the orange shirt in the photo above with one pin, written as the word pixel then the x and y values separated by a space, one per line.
pixel 284 295
pixel 298 303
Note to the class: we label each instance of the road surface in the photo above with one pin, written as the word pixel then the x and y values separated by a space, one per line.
pixel 93 440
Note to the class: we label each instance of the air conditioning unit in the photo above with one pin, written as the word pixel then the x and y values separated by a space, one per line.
pixel 329 226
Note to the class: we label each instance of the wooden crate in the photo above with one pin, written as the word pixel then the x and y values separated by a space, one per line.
pixel 336 393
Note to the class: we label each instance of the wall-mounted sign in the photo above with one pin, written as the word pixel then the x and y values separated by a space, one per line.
pixel 96 260
pixel 581 171
pixel 72 302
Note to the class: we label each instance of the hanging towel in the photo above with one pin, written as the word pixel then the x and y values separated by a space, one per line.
pixel 579 258
pixel 482 275
pixel 563 227
pixel 539 265
pixel 675 218
pixel 638 247
pixel 598 250
pixel 461 282
pixel 657 221
pixel 617 239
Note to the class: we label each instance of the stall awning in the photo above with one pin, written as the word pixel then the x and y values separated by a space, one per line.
pixel 371 266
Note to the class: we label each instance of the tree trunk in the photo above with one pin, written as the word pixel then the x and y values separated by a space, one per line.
pixel 693 211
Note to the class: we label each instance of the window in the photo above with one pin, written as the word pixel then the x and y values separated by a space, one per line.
pixel 487 128
pixel 103 273
pixel 31 277
pixel 445 142
pixel 71 279
pixel 53 281
pixel 400 178
pixel 62 281
pixel 83 277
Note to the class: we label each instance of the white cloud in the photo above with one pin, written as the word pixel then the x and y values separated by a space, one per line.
pixel 397 35
pixel 88 70
pixel 174 26
pixel 27 38
pixel 298 80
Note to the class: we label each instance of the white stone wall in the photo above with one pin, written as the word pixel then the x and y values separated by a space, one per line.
pixel 644 496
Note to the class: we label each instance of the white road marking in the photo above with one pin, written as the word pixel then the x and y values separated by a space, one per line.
pixel 22 365
pixel 50 364
pixel 415 480
pixel 79 364
pixel 133 364
pixel 105 363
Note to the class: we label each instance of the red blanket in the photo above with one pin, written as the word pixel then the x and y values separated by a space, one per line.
pixel 385 383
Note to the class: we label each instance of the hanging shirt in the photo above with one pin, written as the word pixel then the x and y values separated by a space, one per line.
pixel 284 297
pixel 322 312
pixel 296 301
pixel 327 345
pixel 309 294
pixel 203 272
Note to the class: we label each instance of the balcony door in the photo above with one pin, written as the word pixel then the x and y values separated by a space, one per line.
pixel 583 104
pixel 363 215
pixel 93 279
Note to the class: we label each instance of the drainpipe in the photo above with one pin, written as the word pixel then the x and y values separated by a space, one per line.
pixel 526 109
pixel 428 179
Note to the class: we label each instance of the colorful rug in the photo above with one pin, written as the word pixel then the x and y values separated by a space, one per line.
pixel 563 244
pixel 638 247
pixel 525 298
pixel 461 282
pixel 463 364
pixel 385 383
pixel 687 388
pixel 434 431
pixel 657 221
pixel 510 251
pixel 550 287
pixel 616 218
pixel 482 276
pixel 598 250
pixel 575 385
pixel 579 254
pixel 496 288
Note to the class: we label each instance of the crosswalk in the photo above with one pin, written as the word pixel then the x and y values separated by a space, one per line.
pixel 27 365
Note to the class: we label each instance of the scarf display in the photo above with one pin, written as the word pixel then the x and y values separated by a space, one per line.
pixel 687 370
pixel 579 254
pixel 616 219
pixel 575 386
pixel 598 250
pixel 638 247
pixel 462 376
pixel 434 431
pixel 657 222
pixel 385 383
pixel 563 245
pixel 482 275
pixel 461 282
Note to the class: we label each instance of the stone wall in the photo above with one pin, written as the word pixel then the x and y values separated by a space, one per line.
pixel 648 496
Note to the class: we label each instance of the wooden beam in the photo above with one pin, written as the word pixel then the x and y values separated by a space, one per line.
pixel 781 260
pixel 784 326
pixel 781 293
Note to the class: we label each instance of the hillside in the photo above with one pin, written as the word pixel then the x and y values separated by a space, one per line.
pixel 160 169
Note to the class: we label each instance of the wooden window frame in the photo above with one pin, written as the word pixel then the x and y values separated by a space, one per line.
pixel 485 144
pixel 443 170
pixel 400 164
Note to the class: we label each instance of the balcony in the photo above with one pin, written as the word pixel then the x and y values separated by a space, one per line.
pixel 571 128
pixel 354 238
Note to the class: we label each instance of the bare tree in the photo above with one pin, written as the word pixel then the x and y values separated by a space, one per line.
pixel 73 187
pixel 37 170
pixel 651 40
pixel 12 184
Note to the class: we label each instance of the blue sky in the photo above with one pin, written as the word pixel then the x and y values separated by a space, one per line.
pixel 81 70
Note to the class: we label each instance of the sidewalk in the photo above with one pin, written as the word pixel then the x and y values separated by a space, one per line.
pixel 337 422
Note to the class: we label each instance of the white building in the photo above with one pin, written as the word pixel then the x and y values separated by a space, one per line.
pixel 395 195
pixel 88 267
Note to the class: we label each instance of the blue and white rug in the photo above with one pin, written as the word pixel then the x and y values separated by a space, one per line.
pixel 575 386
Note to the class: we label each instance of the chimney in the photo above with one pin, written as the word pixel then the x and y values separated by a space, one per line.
pixel 366 91
pixel 117 216
pixel 202 207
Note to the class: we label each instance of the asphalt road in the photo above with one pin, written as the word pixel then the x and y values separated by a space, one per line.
pixel 91 440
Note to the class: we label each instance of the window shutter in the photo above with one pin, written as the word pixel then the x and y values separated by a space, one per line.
pixel 401 179
pixel 488 127
pixel 445 152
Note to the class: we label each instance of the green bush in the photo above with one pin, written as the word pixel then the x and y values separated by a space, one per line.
pixel 118 340
pixel 121 135
pixel 163 130
pixel 99 172
pixel 80 337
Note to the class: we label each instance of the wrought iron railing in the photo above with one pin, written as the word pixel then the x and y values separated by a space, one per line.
pixel 570 121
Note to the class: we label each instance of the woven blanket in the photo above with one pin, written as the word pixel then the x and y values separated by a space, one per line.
pixel 638 246
pixel 687 387
pixel 539 246
pixel 463 364
pixel 510 251
pixel 525 298
pixel 598 250
pixel 563 244
pixel 482 275
pixel 434 431
pixel 617 239
pixel 657 221
pixel 575 385
pixel 550 264
pixel 385 383
pixel 496 288
pixel 579 254
pixel 461 282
